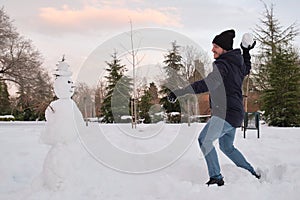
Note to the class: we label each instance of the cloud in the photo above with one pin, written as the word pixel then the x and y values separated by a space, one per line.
pixel 106 17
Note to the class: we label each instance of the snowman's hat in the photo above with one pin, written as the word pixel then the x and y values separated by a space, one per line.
pixel 62 69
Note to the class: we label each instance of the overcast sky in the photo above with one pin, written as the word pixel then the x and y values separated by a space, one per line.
pixel 77 27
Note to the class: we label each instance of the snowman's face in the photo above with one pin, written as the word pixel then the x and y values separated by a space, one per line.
pixel 64 87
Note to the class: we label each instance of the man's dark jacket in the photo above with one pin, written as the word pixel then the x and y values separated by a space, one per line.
pixel 224 84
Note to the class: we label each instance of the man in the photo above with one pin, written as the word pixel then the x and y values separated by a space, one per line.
pixel 224 84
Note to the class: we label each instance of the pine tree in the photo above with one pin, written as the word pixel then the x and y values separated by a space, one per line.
pixel 24 110
pixel 173 61
pixel 153 93
pixel 5 107
pixel 278 70
pixel 173 67
pixel 116 102
pixel 43 94
pixel 149 99
pixel 281 99
pixel 99 96
pixel 144 106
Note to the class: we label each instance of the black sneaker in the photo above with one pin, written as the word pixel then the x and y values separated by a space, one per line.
pixel 212 181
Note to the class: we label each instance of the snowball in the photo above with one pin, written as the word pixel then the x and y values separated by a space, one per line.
pixel 247 40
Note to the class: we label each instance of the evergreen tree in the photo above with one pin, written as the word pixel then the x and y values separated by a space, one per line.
pixel 42 94
pixel 153 94
pixel 281 101
pixel 149 99
pixel 116 101
pixel 5 107
pixel 173 61
pixel 145 105
pixel 173 68
pixel 24 111
pixel 278 70
pixel 99 96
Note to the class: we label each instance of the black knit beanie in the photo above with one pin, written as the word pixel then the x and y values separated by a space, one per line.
pixel 225 39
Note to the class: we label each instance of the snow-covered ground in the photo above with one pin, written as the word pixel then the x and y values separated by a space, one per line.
pixel 182 177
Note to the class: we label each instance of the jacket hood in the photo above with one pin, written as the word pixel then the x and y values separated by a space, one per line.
pixel 234 56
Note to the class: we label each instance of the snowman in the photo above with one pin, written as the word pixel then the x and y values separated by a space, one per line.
pixel 64 121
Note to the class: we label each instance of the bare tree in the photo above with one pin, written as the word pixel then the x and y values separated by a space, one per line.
pixel 7 31
pixel 99 97
pixel 195 62
pixel 21 65
pixel 84 97
pixel 189 55
pixel 134 61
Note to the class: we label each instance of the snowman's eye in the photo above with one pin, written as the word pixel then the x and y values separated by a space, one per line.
pixel 70 82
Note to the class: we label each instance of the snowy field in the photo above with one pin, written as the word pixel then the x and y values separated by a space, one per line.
pixel 22 156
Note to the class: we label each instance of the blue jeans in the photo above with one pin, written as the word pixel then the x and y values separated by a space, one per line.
pixel 217 128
